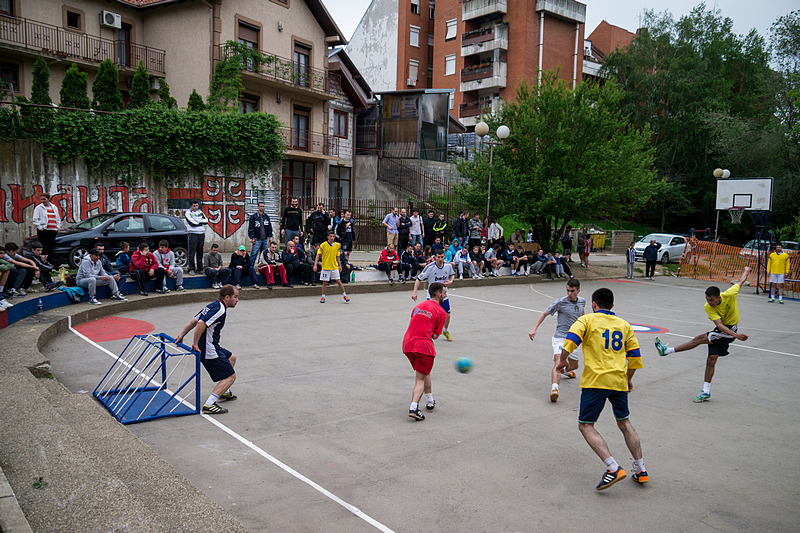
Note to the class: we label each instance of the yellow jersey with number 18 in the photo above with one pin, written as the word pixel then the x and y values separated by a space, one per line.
pixel 610 347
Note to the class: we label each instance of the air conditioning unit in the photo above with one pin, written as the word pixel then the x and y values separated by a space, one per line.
pixel 411 82
pixel 155 83
pixel 110 20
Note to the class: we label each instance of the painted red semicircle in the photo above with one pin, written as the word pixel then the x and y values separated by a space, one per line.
pixel 114 328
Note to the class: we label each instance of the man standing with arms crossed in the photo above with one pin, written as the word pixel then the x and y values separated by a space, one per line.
pixel 217 361
pixel 610 358
pixel 778 269
pixel 259 229
pixel 723 310
pixel 569 309
pixel 427 321
pixel 438 272
pixel 196 223
pixel 331 268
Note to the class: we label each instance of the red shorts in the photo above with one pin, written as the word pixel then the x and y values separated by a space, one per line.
pixel 421 362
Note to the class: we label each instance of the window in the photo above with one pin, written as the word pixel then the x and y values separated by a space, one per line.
pixel 431 5
pixel 430 39
pixel 7 7
pixel 128 224
pixel 161 223
pixel 9 74
pixel 72 18
pixel 414 37
pixel 248 36
pixel 449 65
pixel 300 121
pixel 415 7
pixel 452 100
pixel 124 48
pixel 339 183
pixel 340 124
pixel 430 77
pixel 413 72
pixel 248 103
pixel 298 181
pixel 302 63
pixel 451 30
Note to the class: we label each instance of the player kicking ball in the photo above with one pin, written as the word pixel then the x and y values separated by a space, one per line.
pixel 427 321
pixel 569 309
pixel 218 361
pixel 331 268
pixel 610 358
pixel 723 310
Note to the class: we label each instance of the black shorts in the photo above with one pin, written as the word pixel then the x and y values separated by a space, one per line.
pixel 220 367
pixel 719 341
pixel 347 246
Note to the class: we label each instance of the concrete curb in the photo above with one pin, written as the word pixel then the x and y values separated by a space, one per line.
pixel 12 519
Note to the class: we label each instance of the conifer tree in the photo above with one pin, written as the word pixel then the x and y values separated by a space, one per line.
pixel 40 89
pixel 140 88
pixel 195 102
pixel 105 88
pixel 74 89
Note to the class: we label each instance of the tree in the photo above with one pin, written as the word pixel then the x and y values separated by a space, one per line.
pixel 105 88
pixel 74 89
pixel 569 153
pixel 40 89
pixel 140 88
pixel 226 82
pixel 785 47
pixel 195 102
pixel 163 95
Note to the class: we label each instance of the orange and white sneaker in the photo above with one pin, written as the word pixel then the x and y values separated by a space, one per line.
pixel 609 478
pixel 570 374
pixel 641 477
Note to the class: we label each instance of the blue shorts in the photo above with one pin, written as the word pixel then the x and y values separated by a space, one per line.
pixel 445 305
pixel 593 401
pixel 220 367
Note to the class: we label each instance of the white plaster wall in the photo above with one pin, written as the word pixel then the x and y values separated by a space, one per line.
pixel 373 47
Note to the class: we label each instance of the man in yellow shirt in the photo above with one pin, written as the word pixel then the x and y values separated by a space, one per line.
pixel 723 311
pixel 331 268
pixel 610 358
pixel 778 269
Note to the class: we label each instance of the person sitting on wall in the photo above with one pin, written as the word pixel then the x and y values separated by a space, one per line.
pixel 213 269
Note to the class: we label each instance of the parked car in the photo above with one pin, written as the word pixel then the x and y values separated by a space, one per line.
pixel 111 228
pixel 753 247
pixel 672 246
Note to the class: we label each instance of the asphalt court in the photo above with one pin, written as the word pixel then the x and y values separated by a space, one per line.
pixel 324 390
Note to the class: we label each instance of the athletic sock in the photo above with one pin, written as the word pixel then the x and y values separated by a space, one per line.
pixel 414 406
pixel 513 272
pixel 444 331
pixel 670 350
pixel 611 464
pixel 707 387
pixel 638 465
pixel 428 398
pixel 555 386
pixel 212 399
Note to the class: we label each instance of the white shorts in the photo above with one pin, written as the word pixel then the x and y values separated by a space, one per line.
pixel 329 275
pixel 776 278
pixel 558 345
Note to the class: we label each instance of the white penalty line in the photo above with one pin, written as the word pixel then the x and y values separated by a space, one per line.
pixel 322 490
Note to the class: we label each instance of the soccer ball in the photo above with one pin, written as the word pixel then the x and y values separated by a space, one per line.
pixel 464 365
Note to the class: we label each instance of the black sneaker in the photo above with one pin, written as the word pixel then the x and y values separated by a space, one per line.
pixel 269 287
pixel 288 286
pixel 160 291
pixel 416 414
pixel 609 478
pixel 214 409
pixel 143 293
pixel 228 397
pixel 430 406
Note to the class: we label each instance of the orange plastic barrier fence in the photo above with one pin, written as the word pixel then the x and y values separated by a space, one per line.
pixel 719 262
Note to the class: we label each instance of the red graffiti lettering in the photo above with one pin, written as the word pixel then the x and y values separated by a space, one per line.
pixel 20 204
pixel 64 202
pixel 3 206
pixel 123 203
pixel 88 205
pixel 142 205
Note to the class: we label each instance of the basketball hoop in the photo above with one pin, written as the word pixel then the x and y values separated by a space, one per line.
pixel 736 214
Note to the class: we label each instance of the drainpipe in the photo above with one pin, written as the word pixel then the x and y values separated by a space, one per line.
pixel 575 57
pixel 210 40
pixel 541 45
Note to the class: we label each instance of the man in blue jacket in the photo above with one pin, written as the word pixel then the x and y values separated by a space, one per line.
pixel 259 230
pixel 650 256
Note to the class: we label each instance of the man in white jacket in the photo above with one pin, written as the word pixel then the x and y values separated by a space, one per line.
pixel 47 221
pixel 196 223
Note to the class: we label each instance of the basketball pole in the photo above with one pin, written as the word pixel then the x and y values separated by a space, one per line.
pixel 716 227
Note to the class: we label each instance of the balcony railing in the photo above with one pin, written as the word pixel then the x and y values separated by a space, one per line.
pixel 41 37
pixel 480 35
pixel 477 73
pixel 310 141
pixel 471 109
pixel 287 71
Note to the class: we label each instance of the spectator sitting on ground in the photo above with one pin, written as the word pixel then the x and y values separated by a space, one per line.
pixel 293 264
pixel 123 258
pixel 212 266
pixel 107 265
pixel 269 262
pixel 388 262
pixel 492 262
pixel 463 260
pixel 517 238
pixel 242 264
pixel 144 267
pixel 91 274
pixel 45 268
pixel 550 266
pixel 539 261
pixel 476 257
pixel 166 260
pixel 408 263
pixel 523 265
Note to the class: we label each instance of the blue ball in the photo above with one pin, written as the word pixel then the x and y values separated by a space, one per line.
pixel 464 365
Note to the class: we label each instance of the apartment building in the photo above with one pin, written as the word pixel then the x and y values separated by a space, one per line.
pixel 180 41
pixel 603 40
pixel 481 49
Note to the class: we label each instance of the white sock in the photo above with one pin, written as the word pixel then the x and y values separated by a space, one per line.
pixel 670 350
pixel 429 398
pixel 707 387
pixel 444 331
pixel 228 391
pixel 611 464
pixel 555 386
pixel 212 399
pixel 638 465
pixel 513 272
pixel 413 407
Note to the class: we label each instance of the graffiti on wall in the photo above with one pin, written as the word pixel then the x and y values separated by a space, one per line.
pixel 223 200
pixel 75 202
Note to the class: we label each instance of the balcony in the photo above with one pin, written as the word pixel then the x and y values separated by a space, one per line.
pixel 566 9
pixel 314 144
pixel 473 9
pixel 40 38
pixel 469 113
pixel 284 73
pixel 484 76
pixel 484 39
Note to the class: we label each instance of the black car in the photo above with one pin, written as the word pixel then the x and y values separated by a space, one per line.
pixel 111 228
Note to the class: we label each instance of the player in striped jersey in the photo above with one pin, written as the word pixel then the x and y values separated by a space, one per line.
pixel 441 272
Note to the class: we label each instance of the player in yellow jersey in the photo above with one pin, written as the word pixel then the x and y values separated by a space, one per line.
pixel 610 358
pixel 331 267
pixel 723 310
pixel 778 269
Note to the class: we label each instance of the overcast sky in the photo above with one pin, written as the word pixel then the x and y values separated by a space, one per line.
pixel 746 14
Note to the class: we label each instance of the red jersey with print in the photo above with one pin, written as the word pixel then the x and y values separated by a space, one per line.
pixel 427 319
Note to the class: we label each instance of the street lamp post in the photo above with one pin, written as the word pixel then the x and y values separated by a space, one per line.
pixel 720 173
pixel 482 129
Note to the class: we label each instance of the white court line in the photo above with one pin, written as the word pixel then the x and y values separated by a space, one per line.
pixel 352 508
pixel 495 303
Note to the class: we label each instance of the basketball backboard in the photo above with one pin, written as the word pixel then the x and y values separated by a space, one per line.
pixel 751 194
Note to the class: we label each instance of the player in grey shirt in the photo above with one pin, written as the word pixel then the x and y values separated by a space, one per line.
pixel 444 274
pixel 569 308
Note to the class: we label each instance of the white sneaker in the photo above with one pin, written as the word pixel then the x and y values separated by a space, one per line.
pixel 94 301
pixel 5 303
pixel 460 278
